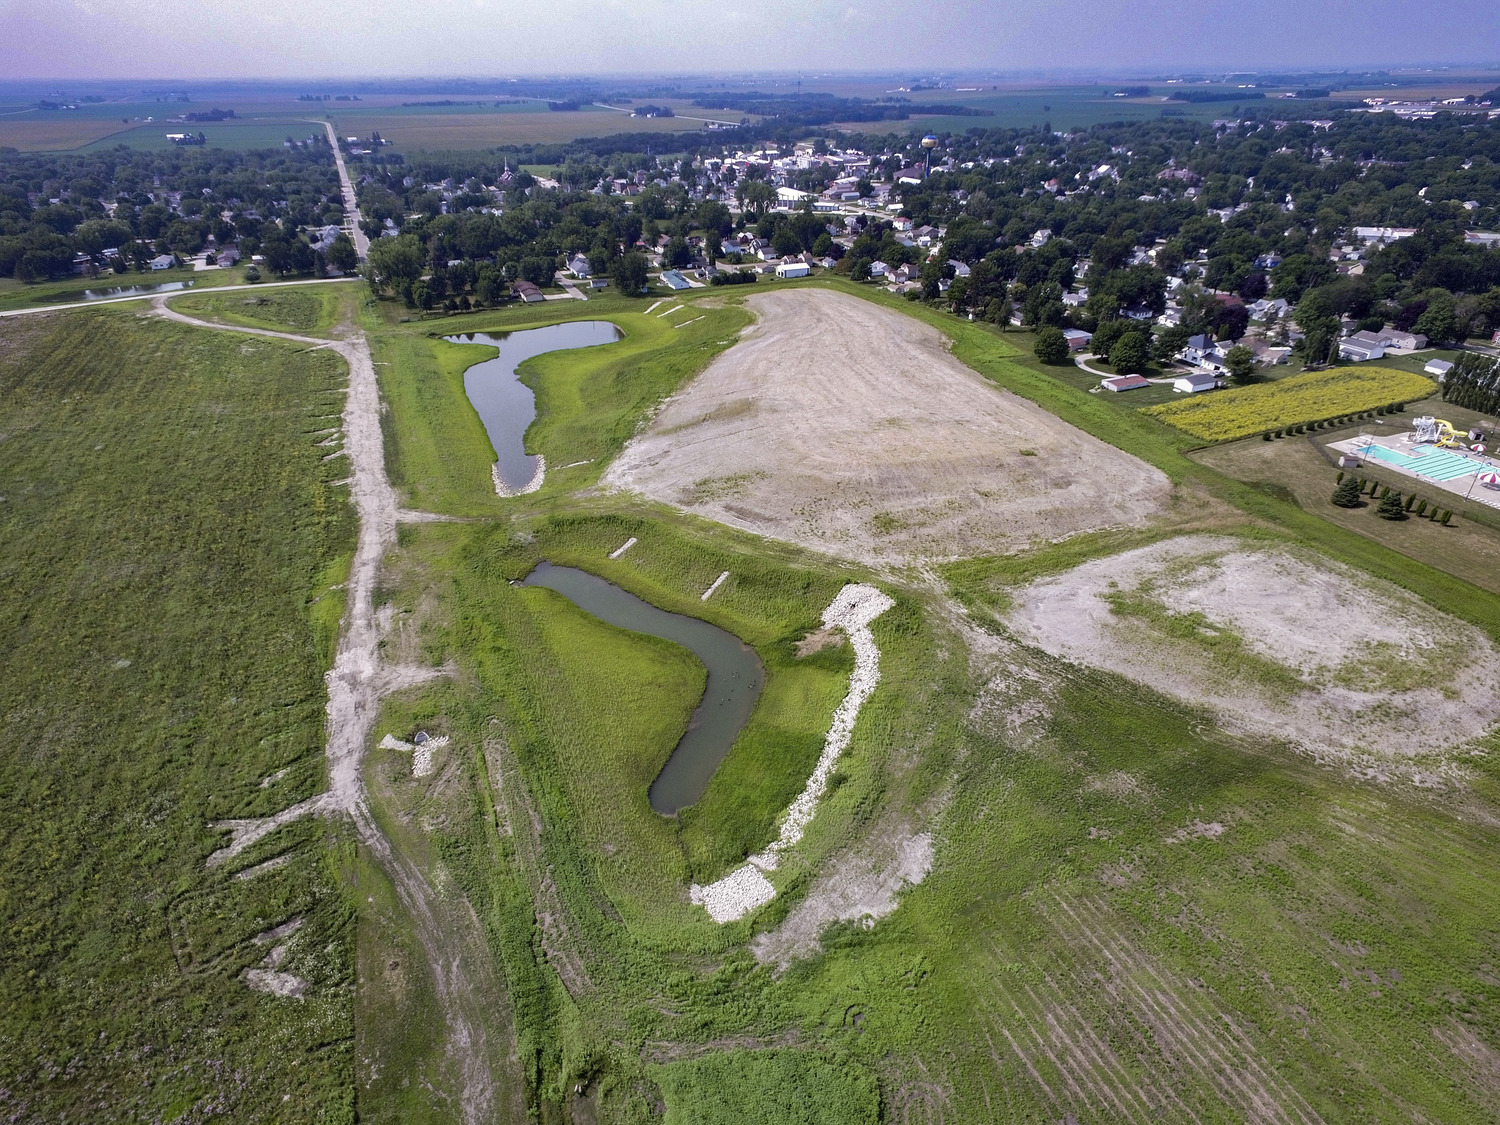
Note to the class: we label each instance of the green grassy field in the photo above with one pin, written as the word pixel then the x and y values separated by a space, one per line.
pixel 1133 912
pixel 588 400
pixel 170 539
pixel 1075 935
pixel 309 309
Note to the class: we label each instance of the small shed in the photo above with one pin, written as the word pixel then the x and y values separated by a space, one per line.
pixel 1125 383
pixel 1438 367
pixel 1195 381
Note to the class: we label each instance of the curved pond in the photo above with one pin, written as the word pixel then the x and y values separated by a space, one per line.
pixel 506 405
pixel 735 677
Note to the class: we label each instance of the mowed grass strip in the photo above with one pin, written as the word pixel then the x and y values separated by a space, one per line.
pixel 168 537
pixel 301 309
pixel 1312 397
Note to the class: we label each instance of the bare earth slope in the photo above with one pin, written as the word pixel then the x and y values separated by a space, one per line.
pixel 849 428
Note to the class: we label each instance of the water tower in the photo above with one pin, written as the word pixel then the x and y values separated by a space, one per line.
pixel 929 142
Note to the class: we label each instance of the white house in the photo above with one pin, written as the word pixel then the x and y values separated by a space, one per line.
pixel 1438 367
pixel 1077 338
pixel 1358 350
pixel 163 262
pixel 793 269
pixel 578 266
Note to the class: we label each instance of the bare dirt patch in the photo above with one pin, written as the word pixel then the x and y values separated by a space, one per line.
pixel 849 428
pixel 862 886
pixel 1276 640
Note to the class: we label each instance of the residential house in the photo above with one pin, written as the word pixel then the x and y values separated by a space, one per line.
pixel 1269 306
pixel 1359 350
pixel 1077 338
pixel 879 269
pixel 578 266
pixel 960 269
pixel 527 292
pixel 1391 339
pixel 1076 300
pixel 674 280
pixel 1199 349
pixel 163 262
pixel 901 223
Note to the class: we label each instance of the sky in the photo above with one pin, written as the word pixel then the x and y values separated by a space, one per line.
pixel 83 39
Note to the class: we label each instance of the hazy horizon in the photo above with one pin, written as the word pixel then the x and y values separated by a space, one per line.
pixel 81 40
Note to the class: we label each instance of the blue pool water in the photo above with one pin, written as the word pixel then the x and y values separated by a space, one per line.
pixel 1435 464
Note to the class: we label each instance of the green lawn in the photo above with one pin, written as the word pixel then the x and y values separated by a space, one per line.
pixel 169 537
pixel 308 309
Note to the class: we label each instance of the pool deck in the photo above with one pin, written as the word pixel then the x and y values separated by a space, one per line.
pixel 1452 470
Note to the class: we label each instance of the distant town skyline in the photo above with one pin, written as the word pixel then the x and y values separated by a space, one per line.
pixel 82 39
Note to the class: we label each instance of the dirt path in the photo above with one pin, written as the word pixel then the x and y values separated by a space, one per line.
pixel 356 684
pixel 851 428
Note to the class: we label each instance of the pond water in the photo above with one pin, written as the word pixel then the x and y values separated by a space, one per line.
pixel 735 677
pixel 506 405
pixel 131 291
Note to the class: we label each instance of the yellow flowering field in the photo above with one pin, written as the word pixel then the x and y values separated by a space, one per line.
pixel 1313 397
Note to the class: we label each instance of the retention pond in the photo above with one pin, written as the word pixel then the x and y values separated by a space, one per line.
pixel 735 677
pixel 506 405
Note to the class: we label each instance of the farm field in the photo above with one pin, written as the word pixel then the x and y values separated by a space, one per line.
pixel 159 482
pixel 1313 396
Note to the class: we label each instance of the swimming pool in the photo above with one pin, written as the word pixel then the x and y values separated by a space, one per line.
pixel 1435 464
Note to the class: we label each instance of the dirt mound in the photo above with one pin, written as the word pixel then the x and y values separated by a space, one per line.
pixel 1278 641
pixel 849 428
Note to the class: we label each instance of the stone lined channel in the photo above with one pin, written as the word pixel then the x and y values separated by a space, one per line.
pixel 506 405
pixel 735 677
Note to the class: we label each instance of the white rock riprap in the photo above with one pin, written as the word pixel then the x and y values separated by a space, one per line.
pixel 537 479
pixel 746 888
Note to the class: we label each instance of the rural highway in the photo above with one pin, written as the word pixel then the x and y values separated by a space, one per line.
pixel 351 201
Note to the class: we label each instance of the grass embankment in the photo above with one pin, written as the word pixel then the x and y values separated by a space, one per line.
pixel 168 539
pixel 307 309
pixel 1315 396
pixel 590 713
pixel 588 400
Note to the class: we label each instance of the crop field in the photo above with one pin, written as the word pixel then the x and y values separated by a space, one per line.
pixel 1315 396
pixel 158 483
